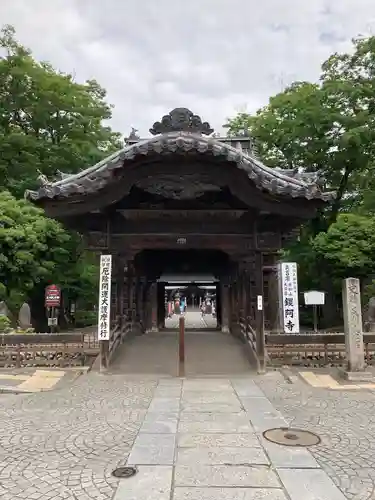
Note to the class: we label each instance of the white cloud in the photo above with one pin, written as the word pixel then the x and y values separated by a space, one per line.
pixel 213 56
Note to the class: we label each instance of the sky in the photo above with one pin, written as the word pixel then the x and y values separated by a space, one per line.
pixel 215 57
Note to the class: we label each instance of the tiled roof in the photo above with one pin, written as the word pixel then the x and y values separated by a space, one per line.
pixel 93 179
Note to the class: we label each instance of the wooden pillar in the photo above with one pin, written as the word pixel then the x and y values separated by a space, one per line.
pixel 154 306
pixel 273 297
pixel 139 304
pixel 260 339
pixel 131 292
pixel 225 299
pixel 244 297
pixel 236 305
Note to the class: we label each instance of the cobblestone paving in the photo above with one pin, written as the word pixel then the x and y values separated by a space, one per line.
pixel 63 445
pixel 344 420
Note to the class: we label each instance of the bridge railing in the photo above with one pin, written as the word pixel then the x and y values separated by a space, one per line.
pixel 248 336
pixel 120 330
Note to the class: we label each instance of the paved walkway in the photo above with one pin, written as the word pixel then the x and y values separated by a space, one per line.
pixel 207 353
pixel 190 439
pixel 193 320
pixel 202 439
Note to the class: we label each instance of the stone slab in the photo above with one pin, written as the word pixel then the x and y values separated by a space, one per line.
pixel 209 397
pixel 211 407
pixel 228 494
pixel 309 484
pixel 226 476
pixel 149 483
pixel 163 423
pixel 362 376
pixel 219 455
pixel 214 422
pixel 231 440
pixel 153 449
pixel 164 404
pixel 247 388
pixel 167 392
pixel 288 456
pixel 266 422
pixel 207 385
pixel 257 405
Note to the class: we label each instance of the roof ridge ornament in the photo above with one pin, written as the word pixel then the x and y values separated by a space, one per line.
pixel 181 120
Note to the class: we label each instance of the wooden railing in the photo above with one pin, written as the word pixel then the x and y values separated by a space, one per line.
pixel 118 334
pixel 248 336
pixel 43 350
pixel 313 349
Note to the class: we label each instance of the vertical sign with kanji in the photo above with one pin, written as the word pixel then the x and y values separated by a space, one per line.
pixel 104 313
pixel 289 296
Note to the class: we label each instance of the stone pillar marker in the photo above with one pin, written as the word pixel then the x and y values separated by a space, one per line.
pixel 353 330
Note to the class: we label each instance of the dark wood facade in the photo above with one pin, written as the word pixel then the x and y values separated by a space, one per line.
pixel 184 196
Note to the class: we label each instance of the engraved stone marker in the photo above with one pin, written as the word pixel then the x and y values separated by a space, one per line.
pixel 4 310
pixel 24 316
pixel 353 325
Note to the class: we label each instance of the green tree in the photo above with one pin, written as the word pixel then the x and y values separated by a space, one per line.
pixel 348 247
pixel 36 251
pixel 33 248
pixel 326 127
pixel 48 122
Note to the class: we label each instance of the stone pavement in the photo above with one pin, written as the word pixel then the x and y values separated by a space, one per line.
pixel 201 437
pixel 345 421
pixel 193 320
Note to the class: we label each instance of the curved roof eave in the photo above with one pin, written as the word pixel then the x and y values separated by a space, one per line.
pixel 94 178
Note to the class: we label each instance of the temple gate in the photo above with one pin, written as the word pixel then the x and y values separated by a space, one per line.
pixel 185 195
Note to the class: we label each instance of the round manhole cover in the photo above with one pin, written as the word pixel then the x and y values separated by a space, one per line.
pixel 124 472
pixel 291 437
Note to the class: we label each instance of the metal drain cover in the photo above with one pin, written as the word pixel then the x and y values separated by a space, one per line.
pixel 124 472
pixel 291 437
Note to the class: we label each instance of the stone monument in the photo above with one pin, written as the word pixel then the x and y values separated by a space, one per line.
pixel 353 331
pixel 4 310
pixel 24 316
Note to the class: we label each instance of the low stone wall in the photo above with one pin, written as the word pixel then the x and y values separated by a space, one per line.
pixel 34 350
pixel 314 350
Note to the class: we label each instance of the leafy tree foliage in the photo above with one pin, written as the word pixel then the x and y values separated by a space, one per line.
pixel 34 248
pixel 327 128
pixel 48 123
pixel 47 120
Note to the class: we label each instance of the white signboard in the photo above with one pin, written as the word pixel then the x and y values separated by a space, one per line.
pixel 104 313
pixel 260 302
pixel 289 294
pixel 314 298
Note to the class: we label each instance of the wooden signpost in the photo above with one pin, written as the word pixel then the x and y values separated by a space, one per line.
pixel 181 347
pixel 52 302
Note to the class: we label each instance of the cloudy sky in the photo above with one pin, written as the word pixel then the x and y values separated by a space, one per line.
pixel 215 57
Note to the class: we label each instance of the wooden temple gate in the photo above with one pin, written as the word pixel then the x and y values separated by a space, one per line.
pixel 185 196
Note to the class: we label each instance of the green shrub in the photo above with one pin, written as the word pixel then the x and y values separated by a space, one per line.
pixel 86 318
pixel 4 324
